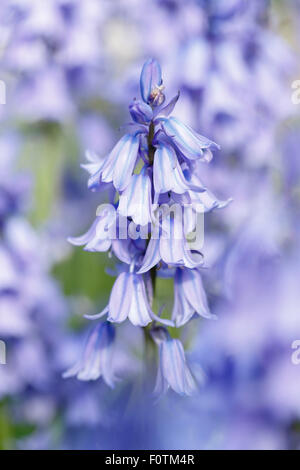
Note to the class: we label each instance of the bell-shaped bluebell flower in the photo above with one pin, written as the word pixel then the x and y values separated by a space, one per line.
pixel 189 297
pixel 99 235
pixel 141 112
pixel 119 165
pixel 171 246
pixel 192 145
pixel 206 201
pixel 97 359
pixel 151 83
pixel 128 299
pixel 173 370
pixel 104 235
pixel 136 200
pixel 167 172
pixel 93 167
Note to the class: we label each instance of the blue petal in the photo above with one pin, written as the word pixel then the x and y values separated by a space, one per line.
pixel 95 183
pixel 136 200
pixel 99 245
pixel 174 248
pixel 94 169
pixel 129 299
pixel 206 201
pixel 191 259
pixel 97 315
pixel 121 249
pixel 126 163
pixel 94 162
pixel 182 309
pixel 139 311
pixel 189 297
pixel 164 164
pixel 120 298
pixel 167 110
pixel 172 241
pixel 152 256
pixel 86 237
pixel 161 385
pixel 140 112
pixel 98 237
pixel 97 357
pixel 120 163
pixel 167 172
pixel 192 287
pixel 174 368
pixel 191 144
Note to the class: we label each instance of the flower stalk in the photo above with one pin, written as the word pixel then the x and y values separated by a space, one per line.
pixel 154 169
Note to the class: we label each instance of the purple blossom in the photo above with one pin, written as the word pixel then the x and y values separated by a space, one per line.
pixel 167 172
pixel 129 298
pixel 189 296
pixel 97 238
pixel 139 190
pixel 98 356
pixel 229 65
pixel 191 144
pixel 149 168
pixel 119 165
pixel 173 370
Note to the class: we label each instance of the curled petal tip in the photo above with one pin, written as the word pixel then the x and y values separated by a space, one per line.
pixel 167 110
pixel 97 315
pixel 73 240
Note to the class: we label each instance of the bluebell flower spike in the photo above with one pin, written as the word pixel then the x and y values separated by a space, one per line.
pixel 155 165
pixel 189 297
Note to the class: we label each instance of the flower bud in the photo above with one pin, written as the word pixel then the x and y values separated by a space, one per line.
pixel 140 112
pixel 151 83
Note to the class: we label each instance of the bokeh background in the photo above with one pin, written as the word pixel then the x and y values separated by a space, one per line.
pixel 71 68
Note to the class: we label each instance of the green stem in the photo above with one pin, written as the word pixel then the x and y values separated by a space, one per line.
pixel 153 274
pixel 153 271
pixel 151 151
pixel 151 148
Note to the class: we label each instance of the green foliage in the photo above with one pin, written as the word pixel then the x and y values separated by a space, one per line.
pixel 83 273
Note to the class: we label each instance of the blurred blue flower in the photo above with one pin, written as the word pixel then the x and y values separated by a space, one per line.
pixel 97 357
pixel 189 296
pixel 173 370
